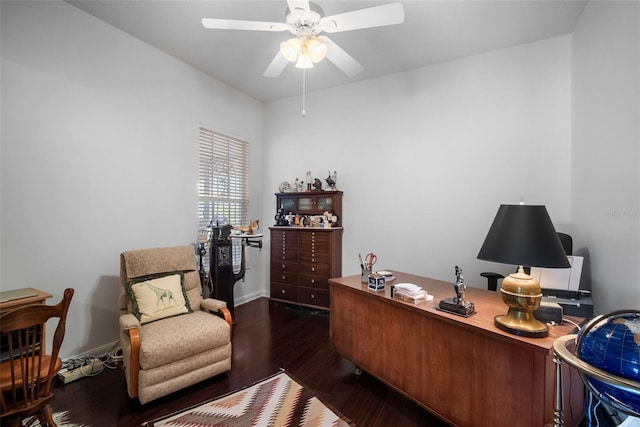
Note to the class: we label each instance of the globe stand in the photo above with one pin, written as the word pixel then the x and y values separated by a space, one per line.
pixel 562 354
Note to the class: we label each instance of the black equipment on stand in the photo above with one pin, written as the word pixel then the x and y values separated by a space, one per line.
pixel 201 251
pixel 221 274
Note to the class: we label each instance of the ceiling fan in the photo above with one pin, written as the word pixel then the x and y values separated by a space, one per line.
pixel 306 20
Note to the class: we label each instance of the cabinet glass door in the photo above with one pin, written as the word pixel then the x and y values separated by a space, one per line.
pixel 325 203
pixel 305 204
pixel 287 203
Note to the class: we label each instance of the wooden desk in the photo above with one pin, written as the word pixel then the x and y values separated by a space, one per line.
pixel 464 370
pixel 40 297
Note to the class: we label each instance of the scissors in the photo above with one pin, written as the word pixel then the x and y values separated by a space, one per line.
pixel 370 260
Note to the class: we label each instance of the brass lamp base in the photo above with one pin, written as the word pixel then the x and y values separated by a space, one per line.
pixel 522 294
pixel 532 328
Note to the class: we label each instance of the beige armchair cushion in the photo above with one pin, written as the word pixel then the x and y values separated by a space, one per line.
pixel 177 338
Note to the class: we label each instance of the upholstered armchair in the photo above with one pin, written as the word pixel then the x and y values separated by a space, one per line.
pixel 171 337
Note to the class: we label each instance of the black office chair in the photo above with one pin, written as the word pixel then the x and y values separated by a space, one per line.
pixel 492 278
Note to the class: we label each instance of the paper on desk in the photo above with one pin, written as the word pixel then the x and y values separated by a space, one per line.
pixel 560 278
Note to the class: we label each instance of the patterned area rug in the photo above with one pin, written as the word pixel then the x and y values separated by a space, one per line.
pixel 277 401
pixel 60 418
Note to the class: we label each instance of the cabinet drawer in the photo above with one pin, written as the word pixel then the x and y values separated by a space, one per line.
pixel 284 244
pixel 285 237
pixel 282 255
pixel 314 281
pixel 314 269
pixel 314 258
pixel 309 238
pixel 313 296
pixel 285 292
pixel 288 277
pixel 284 266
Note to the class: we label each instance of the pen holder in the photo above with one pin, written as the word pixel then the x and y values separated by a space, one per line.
pixel 364 275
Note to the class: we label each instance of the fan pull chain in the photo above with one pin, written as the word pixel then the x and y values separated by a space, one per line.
pixel 304 89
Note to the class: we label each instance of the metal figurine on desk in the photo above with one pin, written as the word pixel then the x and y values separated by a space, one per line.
pixel 457 305
pixel 460 286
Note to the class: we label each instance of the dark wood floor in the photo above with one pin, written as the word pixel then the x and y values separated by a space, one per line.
pixel 267 337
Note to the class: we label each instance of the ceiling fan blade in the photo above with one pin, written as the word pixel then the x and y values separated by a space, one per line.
pixel 276 67
pixel 298 7
pixel 232 24
pixel 378 16
pixel 341 59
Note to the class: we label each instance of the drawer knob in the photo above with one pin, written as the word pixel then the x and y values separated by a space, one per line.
pixel 313 269
pixel 313 280
pixel 283 291
pixel 283 277
pixel 284 266
pixel 313 296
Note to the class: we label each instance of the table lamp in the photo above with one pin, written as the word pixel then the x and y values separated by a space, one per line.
pixel 523 235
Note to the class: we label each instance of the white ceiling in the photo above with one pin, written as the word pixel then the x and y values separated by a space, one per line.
pixel 434 31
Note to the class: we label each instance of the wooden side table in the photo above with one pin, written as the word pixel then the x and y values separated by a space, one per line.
pixel 39 297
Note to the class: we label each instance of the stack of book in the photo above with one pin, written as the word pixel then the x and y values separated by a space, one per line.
pixel 411 293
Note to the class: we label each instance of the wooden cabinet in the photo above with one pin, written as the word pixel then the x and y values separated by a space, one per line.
pixel 304 258
pixel 311 203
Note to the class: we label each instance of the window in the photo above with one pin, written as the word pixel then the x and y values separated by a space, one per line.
pixel 223 183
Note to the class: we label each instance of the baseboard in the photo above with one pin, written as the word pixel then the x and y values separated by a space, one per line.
pixel 250 297
pixel 99 352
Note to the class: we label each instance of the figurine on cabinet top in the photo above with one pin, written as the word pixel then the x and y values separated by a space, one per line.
pixel 308 180
pixel 317 184
pixel 331 180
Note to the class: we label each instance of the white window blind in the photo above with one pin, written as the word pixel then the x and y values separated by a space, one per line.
pixel 223 182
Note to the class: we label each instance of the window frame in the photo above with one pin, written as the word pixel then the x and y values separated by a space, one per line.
pixel 223 185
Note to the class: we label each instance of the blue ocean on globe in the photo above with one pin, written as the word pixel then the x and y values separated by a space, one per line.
pixel 612 344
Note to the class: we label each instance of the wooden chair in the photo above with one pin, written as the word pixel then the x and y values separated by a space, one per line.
pixel 26 378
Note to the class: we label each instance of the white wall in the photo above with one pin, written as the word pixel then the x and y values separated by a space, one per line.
pixel 99 147
pixel 426 157
pixel 99 155
pixel 606 150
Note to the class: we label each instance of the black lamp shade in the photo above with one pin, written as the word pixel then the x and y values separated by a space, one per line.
pixel 524 235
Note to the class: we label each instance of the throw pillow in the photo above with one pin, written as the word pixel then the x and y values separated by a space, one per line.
pixel 158 297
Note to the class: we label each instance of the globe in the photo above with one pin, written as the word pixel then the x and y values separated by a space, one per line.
pixel 611 342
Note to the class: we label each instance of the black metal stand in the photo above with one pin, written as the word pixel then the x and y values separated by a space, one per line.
pixel 221 273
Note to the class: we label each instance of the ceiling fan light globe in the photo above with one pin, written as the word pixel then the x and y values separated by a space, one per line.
pixel 290 49
pixel 304 61
pixel 317 49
